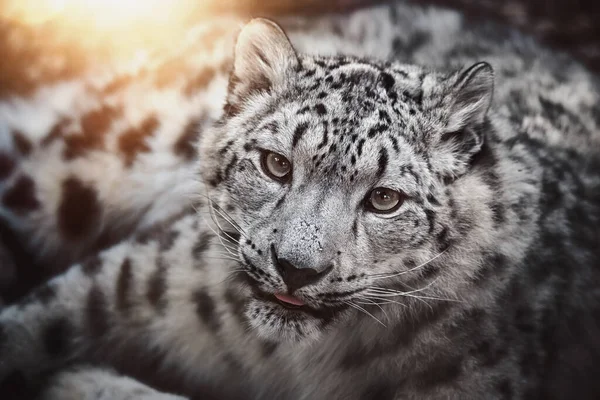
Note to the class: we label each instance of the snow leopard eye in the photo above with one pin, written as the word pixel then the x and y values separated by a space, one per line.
pixel 276 166
pixel 383 200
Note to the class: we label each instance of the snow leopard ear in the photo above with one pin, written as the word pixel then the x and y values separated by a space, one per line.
pixel 472 93
pixel 263 57
pixel 470 96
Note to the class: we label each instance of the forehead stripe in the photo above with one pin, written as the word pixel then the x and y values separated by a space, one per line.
pixel 382 162
pixel 299 132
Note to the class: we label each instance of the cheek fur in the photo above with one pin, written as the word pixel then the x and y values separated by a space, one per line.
pixel 251 192
pixel 396 235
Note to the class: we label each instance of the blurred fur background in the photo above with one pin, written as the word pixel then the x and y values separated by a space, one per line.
pixel 35 54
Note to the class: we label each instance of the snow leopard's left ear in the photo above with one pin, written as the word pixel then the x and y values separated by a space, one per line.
pixel 467 100
pixel 472 94
pixel 263 58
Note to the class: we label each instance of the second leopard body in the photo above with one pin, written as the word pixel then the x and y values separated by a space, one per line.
pixel 480 282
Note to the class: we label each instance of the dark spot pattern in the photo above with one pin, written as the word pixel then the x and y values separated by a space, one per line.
pixel 200 81
pixel 268 348
pixel 22 144
pixel 3 336
pixel 157 286
pixel 320 109
pixel 80 211
pixel 205 309
pixel 229 167
pixel 235 302
pixel 387 81
pixel 92 265
pixel 97 315
pixel 167 240
pixel 16 386
pixel 201 245
pixel 56 337
pixel 505 390
pixel 382 162
pixel 21 196
pixel 94 126
pixel 7 165
pixel 124 287
pixel 185 145
pixel 430 214
pixel 134 140
pixel 379 391
pixel 299 132
pixel 442 371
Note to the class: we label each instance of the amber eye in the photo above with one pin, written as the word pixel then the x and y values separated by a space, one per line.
pixel 383 200
pixel 276 166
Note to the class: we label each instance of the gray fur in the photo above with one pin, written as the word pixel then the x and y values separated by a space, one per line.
pixel 482 284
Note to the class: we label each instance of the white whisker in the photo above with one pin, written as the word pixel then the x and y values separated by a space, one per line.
pixel 364 311
pixel 394 274
pixel 369 301
pixel 213 217
pixel 214 207
pixel 383 300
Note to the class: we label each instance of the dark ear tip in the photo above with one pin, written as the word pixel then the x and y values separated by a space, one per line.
pixel 480 74
pixel 482 68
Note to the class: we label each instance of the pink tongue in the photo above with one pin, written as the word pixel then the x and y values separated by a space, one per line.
pixel 289 299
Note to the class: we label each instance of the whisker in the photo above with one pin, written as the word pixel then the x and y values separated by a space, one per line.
pixel 212 210
pixel 220 238
pixel 383 300
pixel 228 218
pixel 229 277
pixel 221 258
pixel 411 291
pixel 393 274
pixel 384 295
pixel 391 293
pixel 229 250
pixel 230 245
pixel 232 239
pixel 217 208
pixel 368 301
pixel 364 311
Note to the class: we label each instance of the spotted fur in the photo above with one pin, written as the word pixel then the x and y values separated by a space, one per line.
pixel 482 284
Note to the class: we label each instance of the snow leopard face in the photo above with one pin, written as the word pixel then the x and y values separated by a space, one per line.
pixel 338 174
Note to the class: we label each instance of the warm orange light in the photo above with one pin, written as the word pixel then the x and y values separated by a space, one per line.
pixel 100 13
pixel 120 25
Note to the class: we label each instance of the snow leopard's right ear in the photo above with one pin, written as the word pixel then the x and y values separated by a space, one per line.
pixel 263 57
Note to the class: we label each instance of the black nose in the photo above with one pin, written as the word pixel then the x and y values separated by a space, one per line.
pixel 295 277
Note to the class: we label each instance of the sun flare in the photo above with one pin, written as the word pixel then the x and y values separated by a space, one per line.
pixel 122 25
pixel 100 13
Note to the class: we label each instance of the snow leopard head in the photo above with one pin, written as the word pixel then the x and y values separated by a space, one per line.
pixel 348 181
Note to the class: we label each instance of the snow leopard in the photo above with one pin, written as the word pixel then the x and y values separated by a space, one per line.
pixel 387 204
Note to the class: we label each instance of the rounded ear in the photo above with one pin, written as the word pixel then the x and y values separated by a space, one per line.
pixel 472 92
pixel 470 98
pixel 263 56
